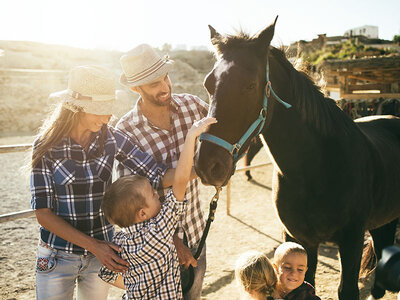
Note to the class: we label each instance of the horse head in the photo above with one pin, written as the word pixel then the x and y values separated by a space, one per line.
pixel 236 88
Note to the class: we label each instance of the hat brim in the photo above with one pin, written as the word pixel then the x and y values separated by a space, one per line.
pixel 153 76
pixel 102 108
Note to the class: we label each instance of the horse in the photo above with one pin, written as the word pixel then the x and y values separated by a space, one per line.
pixel 333 179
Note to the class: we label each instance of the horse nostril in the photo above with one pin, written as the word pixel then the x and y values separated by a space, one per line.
pixel 217 170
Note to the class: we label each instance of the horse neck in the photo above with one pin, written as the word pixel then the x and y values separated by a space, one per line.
pixel 291 144
pixel 303 134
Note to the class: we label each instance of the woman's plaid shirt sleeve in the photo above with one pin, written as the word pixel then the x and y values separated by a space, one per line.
pixel 41 184
pixel 137 161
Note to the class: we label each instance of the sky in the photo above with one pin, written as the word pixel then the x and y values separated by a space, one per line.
pixel 123 24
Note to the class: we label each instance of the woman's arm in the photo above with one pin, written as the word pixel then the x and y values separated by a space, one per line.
pixel 138 162
pixel 103 250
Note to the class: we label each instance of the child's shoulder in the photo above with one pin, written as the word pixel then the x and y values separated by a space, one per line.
pixel 304 292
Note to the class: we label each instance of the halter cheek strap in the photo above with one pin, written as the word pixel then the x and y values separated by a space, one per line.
pixel 252 131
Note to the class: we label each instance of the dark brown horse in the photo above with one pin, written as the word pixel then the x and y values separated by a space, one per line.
pixel 333 178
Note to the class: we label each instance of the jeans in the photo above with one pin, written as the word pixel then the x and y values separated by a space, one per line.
pixel 195 292
pixel 57 273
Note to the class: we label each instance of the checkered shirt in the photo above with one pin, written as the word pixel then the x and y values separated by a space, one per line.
pixel 71 182
pixel 149 249
pixel 165 146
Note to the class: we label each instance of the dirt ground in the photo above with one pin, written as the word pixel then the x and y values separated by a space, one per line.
pixel 252 224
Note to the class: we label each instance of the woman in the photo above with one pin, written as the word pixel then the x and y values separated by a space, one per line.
pixel 71 167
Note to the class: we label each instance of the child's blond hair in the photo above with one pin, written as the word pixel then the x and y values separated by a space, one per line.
pixel 255 273
pixel 285 249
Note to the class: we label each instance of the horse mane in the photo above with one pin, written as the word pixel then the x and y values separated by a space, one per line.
pixel 318 111
pixel 240 40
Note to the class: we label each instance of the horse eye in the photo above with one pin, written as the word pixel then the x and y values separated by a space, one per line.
pixel 251 86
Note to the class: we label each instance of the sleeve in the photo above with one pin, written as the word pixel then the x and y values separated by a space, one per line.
pixel 41 184
pixel 163 225
pixel 138 162
pixel 202 106
pixel 123 126
pixel 108 275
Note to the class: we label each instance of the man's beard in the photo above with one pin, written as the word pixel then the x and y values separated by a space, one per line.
pixel 154 100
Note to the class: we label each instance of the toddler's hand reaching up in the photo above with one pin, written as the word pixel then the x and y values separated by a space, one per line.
pixel 200 126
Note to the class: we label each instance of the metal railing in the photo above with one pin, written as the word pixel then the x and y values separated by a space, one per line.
pixel 29 213
pixel 20 214
pixel 228 186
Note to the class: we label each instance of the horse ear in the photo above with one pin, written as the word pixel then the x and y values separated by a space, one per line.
pixel 265 37
pixel 214 35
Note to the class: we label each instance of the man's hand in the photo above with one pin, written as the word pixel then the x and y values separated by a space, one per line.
pixel 184 255
pixel 104 252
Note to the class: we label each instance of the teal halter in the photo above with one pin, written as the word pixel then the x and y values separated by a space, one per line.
pixel 252 131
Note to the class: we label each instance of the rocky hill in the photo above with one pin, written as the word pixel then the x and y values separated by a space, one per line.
pixel 30 71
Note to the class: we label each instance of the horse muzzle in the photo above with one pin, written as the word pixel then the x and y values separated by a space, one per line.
pixel 214 165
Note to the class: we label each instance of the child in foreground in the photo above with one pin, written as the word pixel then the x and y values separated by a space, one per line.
pixel 256 276
pixel 290 262
pixel 148 227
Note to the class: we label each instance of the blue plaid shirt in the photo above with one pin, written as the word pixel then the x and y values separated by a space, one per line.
pixel 71 182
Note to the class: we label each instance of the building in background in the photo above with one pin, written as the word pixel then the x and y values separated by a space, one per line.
pixel 368 31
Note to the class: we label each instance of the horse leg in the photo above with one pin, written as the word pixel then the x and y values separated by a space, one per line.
pixel 312 258
pixel 383 237
pixel 253 150
pixel 350 249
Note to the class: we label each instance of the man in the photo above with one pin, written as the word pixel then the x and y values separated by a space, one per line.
pixel 159 123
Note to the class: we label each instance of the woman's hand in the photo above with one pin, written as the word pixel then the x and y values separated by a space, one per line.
pixel 105 253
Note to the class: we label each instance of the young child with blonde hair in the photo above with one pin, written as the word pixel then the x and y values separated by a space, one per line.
pixel 290 262
pixel 256 275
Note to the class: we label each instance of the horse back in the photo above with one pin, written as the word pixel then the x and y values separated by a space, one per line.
pixel 383 136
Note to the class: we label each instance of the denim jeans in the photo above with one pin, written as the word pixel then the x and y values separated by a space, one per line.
pixel 58 272
pixel 195 292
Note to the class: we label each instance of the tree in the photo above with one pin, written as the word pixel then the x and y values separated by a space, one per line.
pixel 396 39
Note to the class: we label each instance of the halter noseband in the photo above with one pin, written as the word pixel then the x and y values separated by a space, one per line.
pixel 250 133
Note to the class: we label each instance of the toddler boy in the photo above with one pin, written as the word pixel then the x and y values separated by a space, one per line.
pixel 148 226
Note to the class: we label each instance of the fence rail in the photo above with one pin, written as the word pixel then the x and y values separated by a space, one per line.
pixel 29 213
pixel 228 186
pixel 14 148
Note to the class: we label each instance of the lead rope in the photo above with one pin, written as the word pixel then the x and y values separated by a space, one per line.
pixel 211 216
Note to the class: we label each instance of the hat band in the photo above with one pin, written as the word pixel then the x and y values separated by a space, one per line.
pixel 139 76
pixel 96 98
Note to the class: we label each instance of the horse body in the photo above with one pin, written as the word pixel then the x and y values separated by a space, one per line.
pixel 333 178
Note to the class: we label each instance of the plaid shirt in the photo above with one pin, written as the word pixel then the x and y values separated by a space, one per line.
pixel 166 146
pixel 71 182
pixel 149 248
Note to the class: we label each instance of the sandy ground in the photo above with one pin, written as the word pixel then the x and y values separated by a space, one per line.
pixel 252 224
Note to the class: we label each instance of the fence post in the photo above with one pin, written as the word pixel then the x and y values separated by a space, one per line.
pixel 228 198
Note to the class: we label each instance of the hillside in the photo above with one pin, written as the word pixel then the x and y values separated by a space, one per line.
pixel 30 71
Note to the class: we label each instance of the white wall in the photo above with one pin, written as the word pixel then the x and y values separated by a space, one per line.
pixel 369 31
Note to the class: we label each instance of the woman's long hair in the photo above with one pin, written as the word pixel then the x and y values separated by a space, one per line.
pixel 53 130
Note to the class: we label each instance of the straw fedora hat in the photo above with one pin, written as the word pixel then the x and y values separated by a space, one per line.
pixel 90 89
pixel 142 65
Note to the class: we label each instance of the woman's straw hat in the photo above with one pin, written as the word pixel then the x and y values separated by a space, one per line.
pixel 142 65
pixel 91 89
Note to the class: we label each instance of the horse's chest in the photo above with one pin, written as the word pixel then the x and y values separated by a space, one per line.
pixel 305 220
